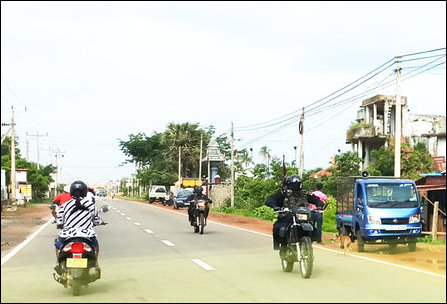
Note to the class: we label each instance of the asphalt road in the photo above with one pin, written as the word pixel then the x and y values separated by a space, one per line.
pixel 152 255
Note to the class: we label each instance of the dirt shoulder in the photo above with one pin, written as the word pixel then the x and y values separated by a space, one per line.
pixel 16 226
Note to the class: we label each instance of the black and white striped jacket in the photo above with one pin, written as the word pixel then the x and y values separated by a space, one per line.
pixel 78 223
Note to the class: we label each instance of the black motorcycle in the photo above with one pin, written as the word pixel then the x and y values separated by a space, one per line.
pixel 77 260
pixel 198 213
pixel 298 236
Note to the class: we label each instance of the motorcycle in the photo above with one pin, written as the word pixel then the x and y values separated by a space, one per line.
pixel 199 219
pixel 298 236
pixel 77 260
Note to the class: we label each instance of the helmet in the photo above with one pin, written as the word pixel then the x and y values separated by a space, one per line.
pixel 198 189
pixel 294 182
pixel 67 188
pixel 78 189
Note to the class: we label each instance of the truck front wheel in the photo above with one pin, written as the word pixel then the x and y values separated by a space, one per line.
pixel 342 231
pixel 360 242
pixel 412 246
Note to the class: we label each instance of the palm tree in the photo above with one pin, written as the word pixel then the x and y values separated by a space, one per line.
pixel 265 153
pixel 244 158
pixel 186 136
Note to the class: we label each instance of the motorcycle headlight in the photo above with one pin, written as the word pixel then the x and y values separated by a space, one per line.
pixel 373 219
pixel 414 219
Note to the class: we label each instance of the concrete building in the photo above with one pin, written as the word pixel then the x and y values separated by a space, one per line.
pixel 376 125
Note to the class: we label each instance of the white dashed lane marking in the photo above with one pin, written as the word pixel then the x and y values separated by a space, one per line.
pixel 168 243
pixel 203 264
pixel 148 231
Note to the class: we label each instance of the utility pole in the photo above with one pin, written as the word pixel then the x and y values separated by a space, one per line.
pixel 301 130
pixel 232 165
pixel 179 162
pixel 38 149
pixel 398 117
pixel 57 153
pixel 13 159
pixel 200 159
pixel 209 173
pixel 27 150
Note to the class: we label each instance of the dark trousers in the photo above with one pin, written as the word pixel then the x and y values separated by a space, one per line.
pixel 277 227
pixel 317 219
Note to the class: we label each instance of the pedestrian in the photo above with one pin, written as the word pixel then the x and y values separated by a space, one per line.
pixel 320 203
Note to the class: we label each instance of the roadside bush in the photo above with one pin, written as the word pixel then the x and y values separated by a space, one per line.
pixel 265 213
pixel 251 193
pixel 35 201
pixel 429 239
pixel 329 221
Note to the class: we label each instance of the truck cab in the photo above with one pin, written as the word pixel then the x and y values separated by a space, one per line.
pixel 381 211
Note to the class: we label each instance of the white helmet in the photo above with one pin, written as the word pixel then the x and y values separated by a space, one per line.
pixel 67 188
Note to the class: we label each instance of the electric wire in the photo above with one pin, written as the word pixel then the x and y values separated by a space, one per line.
pixel 381 84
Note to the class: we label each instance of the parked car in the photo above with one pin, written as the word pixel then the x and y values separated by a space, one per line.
pixel 180 198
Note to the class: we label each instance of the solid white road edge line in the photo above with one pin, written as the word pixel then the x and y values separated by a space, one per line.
pixel 25 242
pixel 203 264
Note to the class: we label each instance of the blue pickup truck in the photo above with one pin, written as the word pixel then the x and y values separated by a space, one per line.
pixel 379 211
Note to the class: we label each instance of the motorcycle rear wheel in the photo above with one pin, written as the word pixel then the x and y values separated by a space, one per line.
pixel 306 257
pixel 76 287
pixel 286 264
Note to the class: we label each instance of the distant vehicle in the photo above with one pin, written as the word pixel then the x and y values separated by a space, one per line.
pixel 180 199
pixel 101 192
pixel 157 194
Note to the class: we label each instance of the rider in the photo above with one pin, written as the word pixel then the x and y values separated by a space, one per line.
pixel 289 195
pixel 62 198
pixel 197 195
pixel 77 218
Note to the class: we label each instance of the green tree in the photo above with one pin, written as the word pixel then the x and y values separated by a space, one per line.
pixel 39 179
pixel 414 160
pixel 347 164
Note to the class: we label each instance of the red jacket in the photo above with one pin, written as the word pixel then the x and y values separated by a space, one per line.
pixel 62 198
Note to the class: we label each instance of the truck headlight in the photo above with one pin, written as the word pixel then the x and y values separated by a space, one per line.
pixel 373 219
pixel 414 219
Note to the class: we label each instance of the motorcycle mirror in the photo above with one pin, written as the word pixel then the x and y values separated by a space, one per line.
pixel 105 208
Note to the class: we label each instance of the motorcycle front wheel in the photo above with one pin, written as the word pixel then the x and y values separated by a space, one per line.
pixel 196 225
pixel 306 257
pixel 201 222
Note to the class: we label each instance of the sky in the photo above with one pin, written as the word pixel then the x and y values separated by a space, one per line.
pixel 80 76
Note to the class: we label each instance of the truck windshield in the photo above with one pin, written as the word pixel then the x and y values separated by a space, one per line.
pixel 398 195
